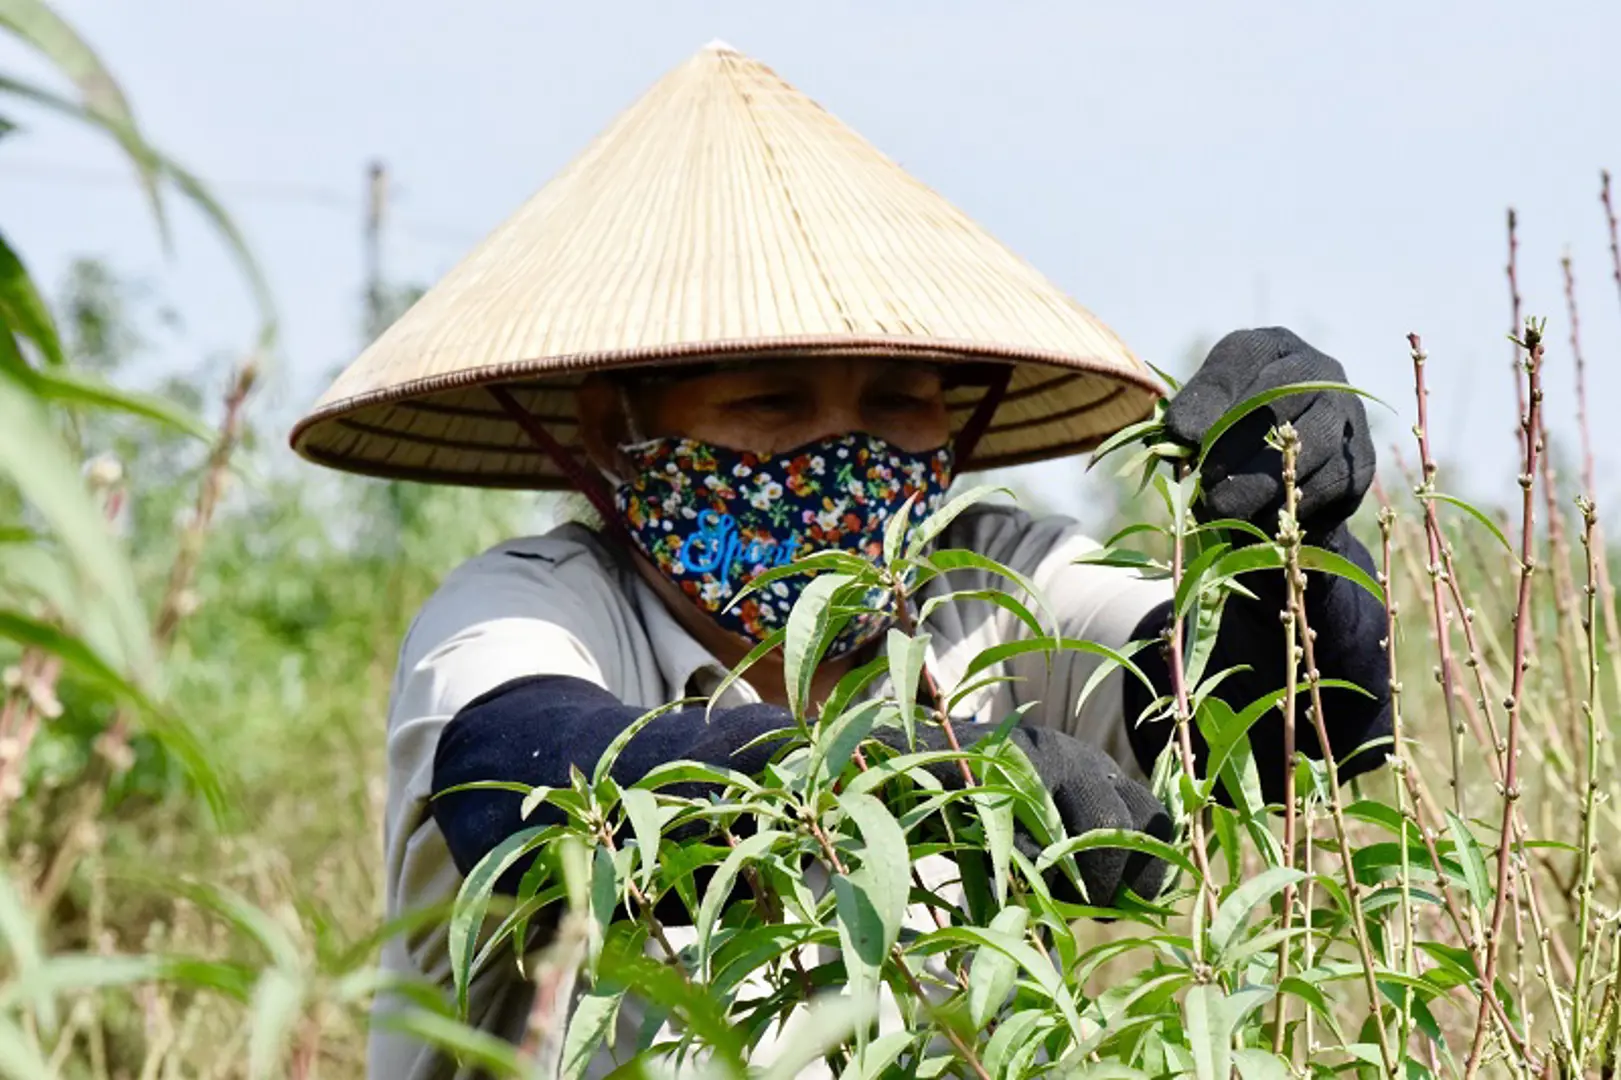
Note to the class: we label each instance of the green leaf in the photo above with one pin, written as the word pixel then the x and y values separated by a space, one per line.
pixel 1125 839
pixel 1398 992
pixel 989 596
pixel 1468 852
pixel 532 798
pixel 861 932
pixel 895 531
pixel 1474 512
pixel 1102 670
pixel 885 860
pixel 1326 562
pixel 749 849
pixel 1034 963
pixel 1133 529
pixel 277 1002
pixel 1187 590
pixel 996 817
pixel 608 871
pixel 515 926
pixel 1109 1070
pixel 1227 737
pixel 1208 1037
pixel 692 772
pixel 1238 1005
pixel 836 739
pixel 1221 525
pixel 574 862
pixel 937 522
pixel 1308 991
pixel 1131 433
pixel 828 1022
pixel 1225 825
pixel 1246 560
pixel 991 975
pixel 622 740
pixel 1171 382
pixel 1264 398
pixel 907 655
pixel 873 1060
pixel 22 310
pixel 1010 649
pixel 846 562
pixel 1021 1031
pixel 589 1024
pixel 473 900
pixel 1260 1065
pixel 809 631
pixel 772 641
pixel 1367 1052
pixel 852 684
pixel 1375 812
pixel 642 808
pixel 464 1043
pixel 1235 910
pixel 488 785
pixel 1123 558
pixel 952 560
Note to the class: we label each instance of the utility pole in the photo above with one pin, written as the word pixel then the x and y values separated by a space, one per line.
pixel 376 211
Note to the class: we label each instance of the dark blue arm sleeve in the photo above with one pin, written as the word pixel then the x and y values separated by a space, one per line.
pixel 531 730
pixel 1350 627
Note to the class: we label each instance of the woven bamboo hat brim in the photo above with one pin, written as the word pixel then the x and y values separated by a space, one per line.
pixel 725 215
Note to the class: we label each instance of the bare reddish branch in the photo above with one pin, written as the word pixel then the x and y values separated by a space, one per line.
pixel 1530 426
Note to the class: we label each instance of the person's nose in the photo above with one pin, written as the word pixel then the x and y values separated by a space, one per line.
pixel 836 418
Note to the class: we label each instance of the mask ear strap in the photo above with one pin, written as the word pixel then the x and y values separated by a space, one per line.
pixel 632 428
pixel 962 448
pixel 587 482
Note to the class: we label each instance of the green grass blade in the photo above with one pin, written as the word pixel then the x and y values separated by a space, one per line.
pixel 37 25
pixel 23 311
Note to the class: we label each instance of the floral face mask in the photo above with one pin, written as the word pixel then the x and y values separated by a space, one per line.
pixel 713 519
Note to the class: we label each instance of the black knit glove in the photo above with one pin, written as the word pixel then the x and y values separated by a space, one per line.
pixel 1242 477
pixel 1090 793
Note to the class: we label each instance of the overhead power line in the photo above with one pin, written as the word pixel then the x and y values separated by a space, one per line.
pixel 266 192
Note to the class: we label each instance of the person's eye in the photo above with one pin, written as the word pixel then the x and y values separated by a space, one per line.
pixel 773 402
pixel 899 401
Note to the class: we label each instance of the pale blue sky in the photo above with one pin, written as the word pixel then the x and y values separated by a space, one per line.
pixel 1180 168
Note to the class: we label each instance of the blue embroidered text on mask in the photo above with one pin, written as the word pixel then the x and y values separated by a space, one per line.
pixel 716 545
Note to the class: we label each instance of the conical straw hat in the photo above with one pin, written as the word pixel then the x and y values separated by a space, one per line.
pixel 724 215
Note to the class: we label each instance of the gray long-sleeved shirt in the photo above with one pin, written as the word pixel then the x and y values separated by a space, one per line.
pixel 568 603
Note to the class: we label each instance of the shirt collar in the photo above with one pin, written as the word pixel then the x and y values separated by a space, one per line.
pixel 686 666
